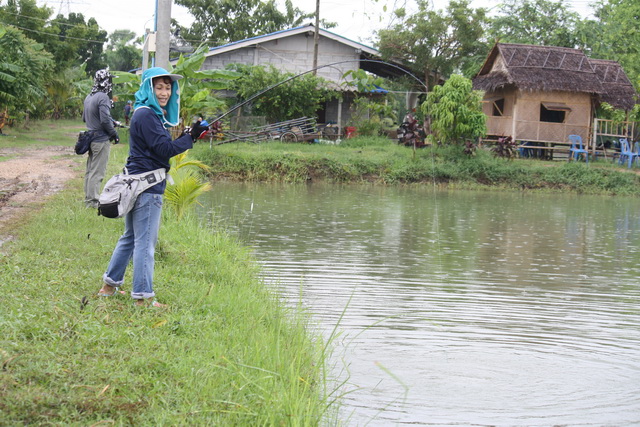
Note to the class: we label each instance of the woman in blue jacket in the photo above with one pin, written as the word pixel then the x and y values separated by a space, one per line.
pixel 157 108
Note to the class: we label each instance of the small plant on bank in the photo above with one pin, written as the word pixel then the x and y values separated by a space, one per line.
pixel 505 148
pixel 188 183
pixel 469 148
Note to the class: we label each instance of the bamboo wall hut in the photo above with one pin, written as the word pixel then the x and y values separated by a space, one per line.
pixel 544 94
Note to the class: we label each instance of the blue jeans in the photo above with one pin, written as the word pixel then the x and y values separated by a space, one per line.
pixel 138 243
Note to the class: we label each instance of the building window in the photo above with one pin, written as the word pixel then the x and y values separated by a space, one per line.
pixel 498 107
pixel 554 112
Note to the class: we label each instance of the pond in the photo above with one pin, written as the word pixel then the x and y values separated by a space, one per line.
pixel 458 308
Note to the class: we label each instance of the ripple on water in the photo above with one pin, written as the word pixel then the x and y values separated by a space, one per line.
pixel 462 308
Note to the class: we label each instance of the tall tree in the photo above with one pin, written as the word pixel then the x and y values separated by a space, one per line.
pixel 77 42
pixel 220 22
pixel 542 22
pixel 70 40
pixel 24 67
pixel 434 44
pixel 122 52
pixel 27 17
pixel 615 35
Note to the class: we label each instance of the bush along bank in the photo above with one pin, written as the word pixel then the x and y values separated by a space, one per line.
pixel 226 352
pixel 382 161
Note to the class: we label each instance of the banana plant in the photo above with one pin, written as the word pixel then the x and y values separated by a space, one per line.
pixel 198 87
pixel 188 183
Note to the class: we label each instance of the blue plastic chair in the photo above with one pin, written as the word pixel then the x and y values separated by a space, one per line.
pixel 626 154
pixel 577 148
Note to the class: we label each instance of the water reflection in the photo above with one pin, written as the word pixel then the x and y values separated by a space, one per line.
pixel 462 308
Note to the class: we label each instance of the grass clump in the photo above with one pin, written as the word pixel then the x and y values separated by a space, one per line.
pixel 226 352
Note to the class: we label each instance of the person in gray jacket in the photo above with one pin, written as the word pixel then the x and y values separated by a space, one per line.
pixel 97 116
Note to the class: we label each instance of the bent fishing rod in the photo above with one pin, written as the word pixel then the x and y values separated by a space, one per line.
pixel 262 92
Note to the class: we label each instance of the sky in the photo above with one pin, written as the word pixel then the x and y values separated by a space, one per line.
pixel 356 19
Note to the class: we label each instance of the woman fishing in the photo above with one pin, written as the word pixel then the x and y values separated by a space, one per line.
pixel 156 108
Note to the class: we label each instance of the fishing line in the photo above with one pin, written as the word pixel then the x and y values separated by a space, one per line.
pixel 438 274
pixel 333 64
pixel 262 92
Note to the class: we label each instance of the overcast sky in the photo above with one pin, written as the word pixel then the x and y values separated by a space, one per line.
pixel 357 19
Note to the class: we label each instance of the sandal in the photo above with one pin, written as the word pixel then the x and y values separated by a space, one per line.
pixel 116 290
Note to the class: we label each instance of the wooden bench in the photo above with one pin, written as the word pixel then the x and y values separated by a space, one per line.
pixel 548 150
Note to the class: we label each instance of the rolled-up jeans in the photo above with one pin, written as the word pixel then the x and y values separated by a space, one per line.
pixel 138 243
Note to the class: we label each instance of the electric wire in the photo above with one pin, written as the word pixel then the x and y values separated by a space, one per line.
pixel 55 35
pixel 262 92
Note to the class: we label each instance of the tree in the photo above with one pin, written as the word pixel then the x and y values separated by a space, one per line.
pixel 122 52
pixel 434 44
pixel 615 35
pixel 299 97
pixel 220 22
pixel 70 40
pixel 24 68
pixel 77 42
pixel 455 111
pixel 65 93
pixel 26 16
pixel 541 22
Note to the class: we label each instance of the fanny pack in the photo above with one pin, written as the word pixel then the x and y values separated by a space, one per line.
pixel 121 191
pixel 85 138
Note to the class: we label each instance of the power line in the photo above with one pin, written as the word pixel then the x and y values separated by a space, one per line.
pixel 53 34
pixel 40 19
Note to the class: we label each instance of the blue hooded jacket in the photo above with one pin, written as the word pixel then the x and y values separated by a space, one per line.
pixel 150 144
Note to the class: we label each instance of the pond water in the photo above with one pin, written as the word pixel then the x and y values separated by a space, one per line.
pixel 458 308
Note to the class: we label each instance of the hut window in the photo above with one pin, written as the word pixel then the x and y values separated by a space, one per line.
pixel 498 107
pixel 554 112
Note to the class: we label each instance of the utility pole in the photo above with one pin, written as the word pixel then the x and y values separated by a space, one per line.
pixel 316 38
pixel 146 48
pixel 163 24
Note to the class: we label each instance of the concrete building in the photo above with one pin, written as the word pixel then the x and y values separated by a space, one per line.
pixel 292 51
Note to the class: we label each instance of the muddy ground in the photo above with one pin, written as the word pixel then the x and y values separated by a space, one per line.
pixel 28 176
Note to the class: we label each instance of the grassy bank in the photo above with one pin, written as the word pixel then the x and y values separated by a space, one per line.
pixel 227 352
pixel 382 161
pixel 44 132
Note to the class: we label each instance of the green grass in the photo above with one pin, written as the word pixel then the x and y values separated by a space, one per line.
pixel 226 352
pixel 380 160
pixel 48 132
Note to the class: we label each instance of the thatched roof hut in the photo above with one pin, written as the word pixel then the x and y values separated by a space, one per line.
pixel 539 68
pixel 543 94
pixel 550 68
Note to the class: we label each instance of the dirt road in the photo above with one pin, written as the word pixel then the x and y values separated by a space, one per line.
pixel 29 176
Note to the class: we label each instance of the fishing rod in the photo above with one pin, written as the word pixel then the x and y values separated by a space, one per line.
pixel 262 92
